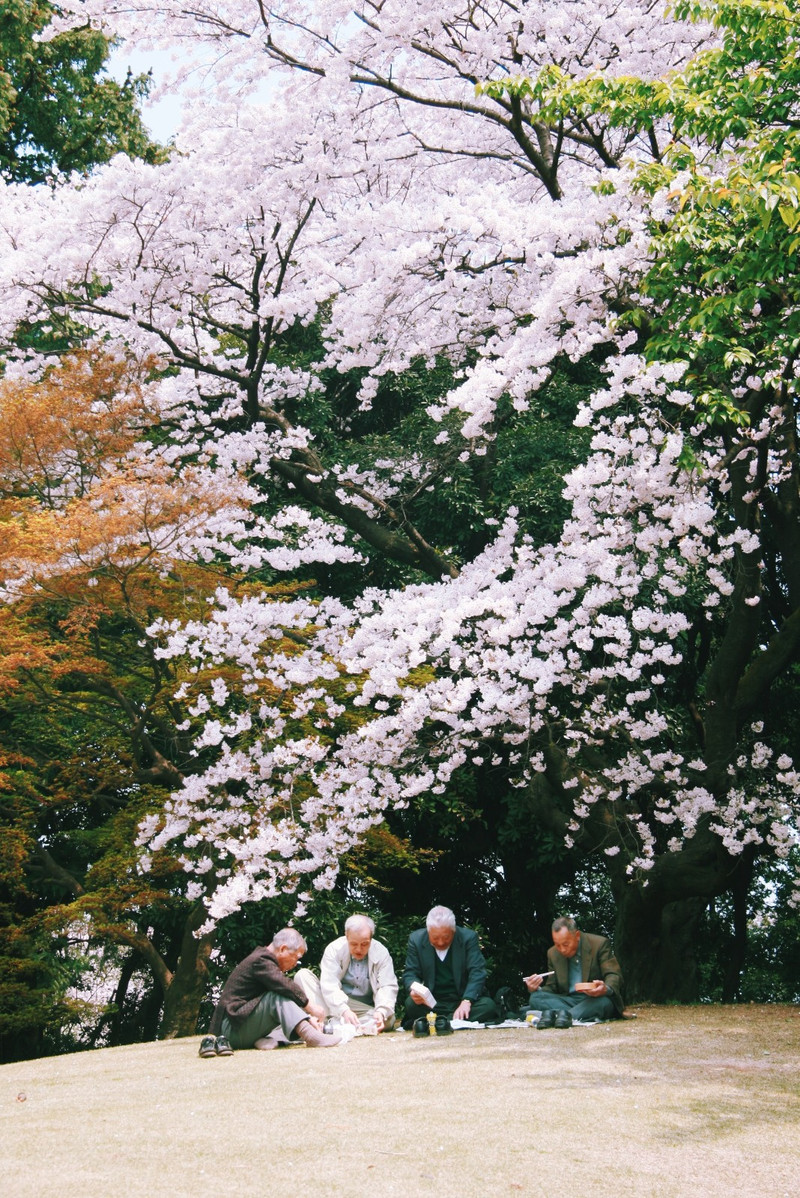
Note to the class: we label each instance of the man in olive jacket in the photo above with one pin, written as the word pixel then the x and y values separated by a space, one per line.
pixel 448 960
pixel 586 980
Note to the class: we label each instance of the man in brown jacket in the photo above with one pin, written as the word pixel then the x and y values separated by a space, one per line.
pixel 584 981
pixel 261 1008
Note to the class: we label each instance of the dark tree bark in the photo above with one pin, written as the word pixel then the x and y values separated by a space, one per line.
pixel 185 990
pixel 737 949
pixel 659 935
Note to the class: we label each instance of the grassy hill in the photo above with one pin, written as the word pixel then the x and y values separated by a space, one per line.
pixel 677 1102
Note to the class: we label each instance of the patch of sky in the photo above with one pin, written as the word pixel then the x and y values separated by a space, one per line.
pixel 162 110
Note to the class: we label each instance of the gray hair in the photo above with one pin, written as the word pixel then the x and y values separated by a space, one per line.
pixel 564 923
pixel 440 917
pixel 289 938
pixel 359 921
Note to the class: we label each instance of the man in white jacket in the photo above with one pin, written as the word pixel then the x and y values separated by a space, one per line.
pixel 357 983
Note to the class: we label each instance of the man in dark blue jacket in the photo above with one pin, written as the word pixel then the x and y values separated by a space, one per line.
pixel 448 961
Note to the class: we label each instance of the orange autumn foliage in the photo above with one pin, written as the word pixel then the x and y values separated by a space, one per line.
pixel 86 499
pixel 88 518
pixel 58 436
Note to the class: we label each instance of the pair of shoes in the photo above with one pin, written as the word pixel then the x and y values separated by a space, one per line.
pixel 441 1026
pixel 215 1046
pixel 559 1019
pixel 208 1046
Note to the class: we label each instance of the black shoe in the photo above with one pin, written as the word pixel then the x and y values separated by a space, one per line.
pixel 563 1019
pixel 421 1027
pixel 546 1019
pixel 443 1026
pixel 223 1047
pixel 208 1046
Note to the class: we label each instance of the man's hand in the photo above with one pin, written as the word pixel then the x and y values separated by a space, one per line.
pixel 349 1016
pixel 533 982
pixel 462 1010
pixel 418 999
pixel 594 989
pixel 313 1009
pixel 380 1021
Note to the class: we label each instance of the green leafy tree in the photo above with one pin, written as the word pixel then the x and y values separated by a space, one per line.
pixel 59 111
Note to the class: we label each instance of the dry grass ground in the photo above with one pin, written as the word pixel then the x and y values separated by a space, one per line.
pixel 677 1102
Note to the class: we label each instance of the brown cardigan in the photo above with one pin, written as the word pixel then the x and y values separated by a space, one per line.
pixel 255 976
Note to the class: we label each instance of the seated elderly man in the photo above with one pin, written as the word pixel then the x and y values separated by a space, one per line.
pixel 448 961
pixel 261 1008
pixel 584 981
pixel 357 983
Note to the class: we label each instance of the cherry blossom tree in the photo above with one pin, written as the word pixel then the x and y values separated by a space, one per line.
pixel 349 171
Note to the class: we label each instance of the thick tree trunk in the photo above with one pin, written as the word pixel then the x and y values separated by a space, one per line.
pixel 658 935
pixel 186 990
pixel 740 893
pixel 656 947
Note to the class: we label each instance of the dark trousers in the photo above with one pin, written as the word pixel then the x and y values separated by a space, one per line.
pixel 483 1010
pixel 587 1010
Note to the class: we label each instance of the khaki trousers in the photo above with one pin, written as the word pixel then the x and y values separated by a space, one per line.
pixel 311 984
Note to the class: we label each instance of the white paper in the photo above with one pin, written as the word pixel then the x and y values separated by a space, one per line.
pixel 423 992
